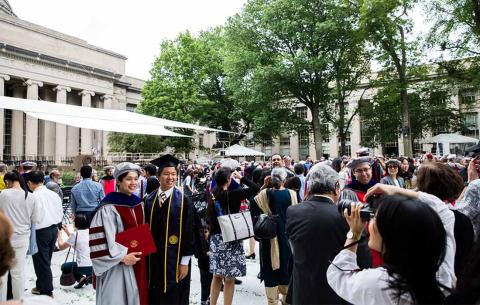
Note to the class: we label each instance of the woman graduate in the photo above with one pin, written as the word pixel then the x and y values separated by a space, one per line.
pixel 171 218
pixel 120 277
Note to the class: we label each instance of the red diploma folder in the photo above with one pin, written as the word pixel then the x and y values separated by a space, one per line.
pixel 138 239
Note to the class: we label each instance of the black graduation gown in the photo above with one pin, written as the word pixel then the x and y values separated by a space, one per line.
pixel 176 293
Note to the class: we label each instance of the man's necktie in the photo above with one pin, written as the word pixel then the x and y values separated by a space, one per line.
pixel 163 197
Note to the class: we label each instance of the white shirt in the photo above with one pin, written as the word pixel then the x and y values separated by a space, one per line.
pixel 82 248
pixel 21 212
pixel 51 204
pixel 370 286
pixel 185 259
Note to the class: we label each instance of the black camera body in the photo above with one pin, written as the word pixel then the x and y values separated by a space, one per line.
pixel 366 213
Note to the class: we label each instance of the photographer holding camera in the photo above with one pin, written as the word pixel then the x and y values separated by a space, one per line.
pixel 413 231
pixel 316 232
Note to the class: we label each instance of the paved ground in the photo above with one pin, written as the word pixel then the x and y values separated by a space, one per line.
pixel 250 292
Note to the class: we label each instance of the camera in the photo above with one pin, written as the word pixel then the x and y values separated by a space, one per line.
pixel 366 213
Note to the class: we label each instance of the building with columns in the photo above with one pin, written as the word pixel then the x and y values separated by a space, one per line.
pixel 42 64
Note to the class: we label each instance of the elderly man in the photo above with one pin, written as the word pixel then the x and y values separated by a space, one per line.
pixel 317 232
pixel 54 183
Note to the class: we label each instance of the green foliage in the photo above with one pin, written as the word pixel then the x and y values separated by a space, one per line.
pixel 286 52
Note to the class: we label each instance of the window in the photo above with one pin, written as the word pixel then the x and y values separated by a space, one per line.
pixel 131 107
pixel 302 112
pixel 200 140
pixel 325 133
pixel 471 124
pixel 7 134
pixel 285 141
pixel 467 97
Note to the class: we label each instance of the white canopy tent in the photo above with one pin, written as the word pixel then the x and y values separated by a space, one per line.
pixel 97 118
pixel 443 142
pixel 242 151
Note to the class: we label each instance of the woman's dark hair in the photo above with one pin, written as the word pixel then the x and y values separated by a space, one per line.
pixel 120 178
pixel 293 183
pixel 337 164
pixel 440 180
pixel 257 176
pixel 413 247
pixel 222 176
pixel 7 254
pixel 81 222
pixel 467 290
pixel 15 176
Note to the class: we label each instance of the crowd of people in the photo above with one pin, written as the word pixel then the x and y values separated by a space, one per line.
pixel 360 230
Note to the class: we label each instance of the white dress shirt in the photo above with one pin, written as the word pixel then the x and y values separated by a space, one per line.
pixel 185 259
pixel 370 286
pixel 51 204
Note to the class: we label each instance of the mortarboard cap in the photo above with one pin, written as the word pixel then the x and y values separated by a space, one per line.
pixel 29 164
pixel 165 161
pixel 357 161
pixel 125 167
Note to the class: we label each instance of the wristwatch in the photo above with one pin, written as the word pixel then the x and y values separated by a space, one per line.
pixel 352 235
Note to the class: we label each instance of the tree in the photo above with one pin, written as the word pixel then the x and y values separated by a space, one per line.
pixel 388 27
pixel 292 52
pixel 430 107
pixel 456 32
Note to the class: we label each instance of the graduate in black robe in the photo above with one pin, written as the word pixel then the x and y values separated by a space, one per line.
pixel 170 215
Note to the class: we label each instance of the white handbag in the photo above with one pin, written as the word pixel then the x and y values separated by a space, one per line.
pixel 236 226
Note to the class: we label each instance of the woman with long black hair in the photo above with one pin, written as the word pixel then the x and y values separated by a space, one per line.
pixel 21 209
pixel 227 260
pixel 413 231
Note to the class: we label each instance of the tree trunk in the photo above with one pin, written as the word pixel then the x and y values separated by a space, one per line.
pixel 317 132
pixel 406 129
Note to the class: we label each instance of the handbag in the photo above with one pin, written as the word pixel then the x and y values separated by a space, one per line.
pixel 234 227
pixel 266 226
pixel 68 277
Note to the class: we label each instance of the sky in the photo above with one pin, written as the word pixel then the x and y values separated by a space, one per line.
pixel 131 28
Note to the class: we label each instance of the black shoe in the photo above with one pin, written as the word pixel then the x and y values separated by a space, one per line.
pixel 237 281
pixel 251 256
pixel 83 281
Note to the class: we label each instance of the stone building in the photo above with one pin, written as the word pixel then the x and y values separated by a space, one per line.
pixel 42 64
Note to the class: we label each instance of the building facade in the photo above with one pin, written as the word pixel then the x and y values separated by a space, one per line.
pixel 42 64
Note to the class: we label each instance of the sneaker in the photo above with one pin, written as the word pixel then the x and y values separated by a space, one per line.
pixel 237 281
pixel 35 291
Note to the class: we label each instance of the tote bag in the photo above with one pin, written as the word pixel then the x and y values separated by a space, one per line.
pixel 68 276
pixel 237 226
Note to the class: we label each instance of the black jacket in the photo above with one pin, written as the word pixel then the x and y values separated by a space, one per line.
pixel 317 232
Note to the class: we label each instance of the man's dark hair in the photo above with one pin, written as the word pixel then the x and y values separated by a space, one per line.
pixel 86 172
pixel 81 221
pixel 150 169
pixel 299 169
pixel 36 177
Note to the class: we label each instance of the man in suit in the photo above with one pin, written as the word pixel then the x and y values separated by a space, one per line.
pixel 316 232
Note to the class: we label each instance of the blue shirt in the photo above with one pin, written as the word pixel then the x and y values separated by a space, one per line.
pixel 86 196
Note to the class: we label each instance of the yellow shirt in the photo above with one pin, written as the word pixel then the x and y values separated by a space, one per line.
pixel 2 183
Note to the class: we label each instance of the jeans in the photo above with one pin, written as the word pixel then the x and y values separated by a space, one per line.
pixel 78 272
pixel 42 260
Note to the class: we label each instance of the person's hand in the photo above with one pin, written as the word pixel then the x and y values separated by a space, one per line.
pixel 381 189
pixel 65 228
pixel 131 258
pixel 472 170
pixel 182 272
pixel 236 175
pixel 354 221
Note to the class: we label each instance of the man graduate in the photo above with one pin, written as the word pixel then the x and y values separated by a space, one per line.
pixel 171 218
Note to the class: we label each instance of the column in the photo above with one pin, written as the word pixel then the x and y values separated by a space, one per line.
pixel 108 103
pixel 86 134
pixel 3 78
pixel 295 147
pixel 31 124
pixel 61 129
pixel 17 124
pixel 46 131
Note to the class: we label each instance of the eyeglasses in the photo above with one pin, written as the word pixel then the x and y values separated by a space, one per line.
pixel 362 170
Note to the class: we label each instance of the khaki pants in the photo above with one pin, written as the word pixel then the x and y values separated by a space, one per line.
pixel 272 294
pixel 17 272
